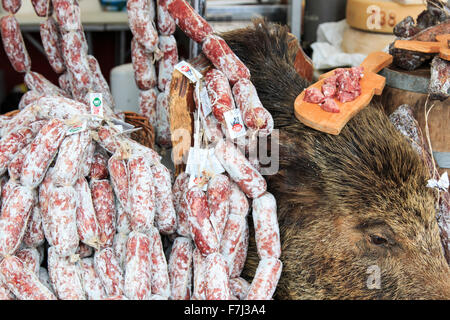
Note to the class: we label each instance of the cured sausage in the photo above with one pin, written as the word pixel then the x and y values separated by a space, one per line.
pixel 65 276
pixel 14 217
pixel 68 15
pixel 22 282
pixel 218 193
pixel 43 8
pixel 28 98
pixel 44 190
pixel 199 284
pixel 202 230
pixel 87 224
pixel 100 84
pixel 141 24
pixel 233 245
pixel 165 217
pixel 138 268
pixel 68 163
pixel 62 213
pixel 267 231
pixel 109 271
pixel 37 82
pixel 64 82
pixel 219 93
pixel 92 285
pixel 99 167
pixel 224 59
pixel 181 208
pixel 180 269
pixel 160 273
pixel 12 6
pixel 51 40
pixel 238 201
pixel 78 65
pixel 103 200
pixel 239 287
pixel 88 158
pixel 216 278
pixel 118 172
pixel 192 24
pixel 266 279
pixel 147 104
pixel 123 221
pixel 12 144
pixel 168 46
pixel 120 248
pixel 34 235
pixel 255 116
pixel 141 193
pixel 43 149
pixel 165 22
pixel 240 170
pixel 14 45
pixel 144 70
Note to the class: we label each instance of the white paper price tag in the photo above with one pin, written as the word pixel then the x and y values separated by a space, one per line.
pixel 189 71
pixel 96 103
pixel 206 103
pixel 235 125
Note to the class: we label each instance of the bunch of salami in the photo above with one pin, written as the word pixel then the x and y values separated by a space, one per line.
pixel 152 43
pixel 212 249
pixel 88 213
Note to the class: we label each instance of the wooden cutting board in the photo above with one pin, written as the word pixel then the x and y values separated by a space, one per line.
pixel 312 115
pixel 441 46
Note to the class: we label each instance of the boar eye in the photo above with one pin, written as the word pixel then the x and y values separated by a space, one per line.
pixel 378 240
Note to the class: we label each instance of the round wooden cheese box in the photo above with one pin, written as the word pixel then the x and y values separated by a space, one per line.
pixel 380 15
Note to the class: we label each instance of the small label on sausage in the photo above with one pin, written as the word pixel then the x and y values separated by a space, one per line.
pixel 235 125
pixel 77 128
pixel 96 102
pixel 188 71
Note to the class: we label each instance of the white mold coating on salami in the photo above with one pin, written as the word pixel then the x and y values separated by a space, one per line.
pixel 14 45
pixel 240 170
pixel 160 272
pixel 43 149
pixel 141 23
pixel 144 70
pixel 147 104
pixel 108 269
pixel 14 217
pixel 65 276
pixel 180 269
pixel 217 287
pixel 142 199
pixel 51 40
pixel 62 214
pixel 267 231
pixel 138 266
pixel 87 224
pixel 266 279
pixel 92 285
pixel 165 212
pixel 218 195
pixel 22 282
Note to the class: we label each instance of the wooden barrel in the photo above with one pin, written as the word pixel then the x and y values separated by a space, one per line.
pixel 410 87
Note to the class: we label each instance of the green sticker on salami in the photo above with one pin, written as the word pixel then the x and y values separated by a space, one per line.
pixel 96 102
